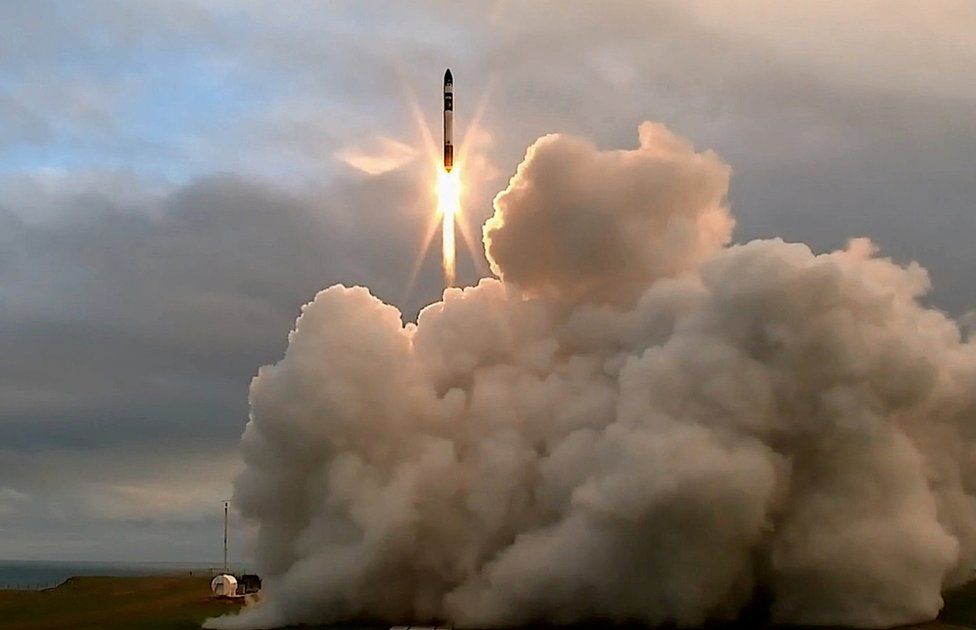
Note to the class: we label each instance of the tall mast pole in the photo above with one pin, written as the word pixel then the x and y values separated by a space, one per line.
pixel 226 503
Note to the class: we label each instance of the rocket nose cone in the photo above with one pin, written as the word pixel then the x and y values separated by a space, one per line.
pixel 448 78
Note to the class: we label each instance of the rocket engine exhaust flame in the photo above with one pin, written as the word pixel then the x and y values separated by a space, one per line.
pixel 638 422
pixel 448 207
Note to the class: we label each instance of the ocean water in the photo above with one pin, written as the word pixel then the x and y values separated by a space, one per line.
pixel 29 574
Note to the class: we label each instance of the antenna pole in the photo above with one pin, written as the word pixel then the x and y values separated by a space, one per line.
pixel 226 503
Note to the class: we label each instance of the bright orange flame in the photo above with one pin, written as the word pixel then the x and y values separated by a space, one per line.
pixel 448 206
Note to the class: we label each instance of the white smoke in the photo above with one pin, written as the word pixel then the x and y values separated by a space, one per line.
pixel 637 422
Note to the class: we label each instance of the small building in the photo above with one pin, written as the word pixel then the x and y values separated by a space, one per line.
pixel 250 583
pixel 224 585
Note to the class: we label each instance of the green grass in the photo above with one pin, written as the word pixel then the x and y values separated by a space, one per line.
pixel 151 603
pixel 183 602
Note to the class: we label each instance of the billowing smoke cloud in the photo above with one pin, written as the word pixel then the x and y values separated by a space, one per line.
pixel 580 224
pixel 637 422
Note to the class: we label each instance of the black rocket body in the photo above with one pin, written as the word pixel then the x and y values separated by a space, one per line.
pixel 448 121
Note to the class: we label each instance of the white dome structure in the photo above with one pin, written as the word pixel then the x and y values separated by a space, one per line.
pixel 224 585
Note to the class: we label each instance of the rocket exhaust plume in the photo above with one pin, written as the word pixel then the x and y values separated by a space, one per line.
pixel 448 205
pixel 637 422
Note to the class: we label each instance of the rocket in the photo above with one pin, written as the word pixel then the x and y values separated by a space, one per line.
pixel 448 121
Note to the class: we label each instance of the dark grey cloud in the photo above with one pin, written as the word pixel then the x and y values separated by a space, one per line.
pixel 213 282
pixel 135 329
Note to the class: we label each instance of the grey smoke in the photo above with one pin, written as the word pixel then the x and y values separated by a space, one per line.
pixel 636 422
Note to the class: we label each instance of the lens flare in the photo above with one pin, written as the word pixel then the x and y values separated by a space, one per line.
pixel 448 190
pixel 448 206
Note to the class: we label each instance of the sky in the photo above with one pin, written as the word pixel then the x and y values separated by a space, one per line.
pixel 178 178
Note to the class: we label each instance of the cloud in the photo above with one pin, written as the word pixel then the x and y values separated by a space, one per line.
pixel 11 502
pixel 670 448
pixel 133 317
pixel 160 503
pixel 379 156
pixel 655 212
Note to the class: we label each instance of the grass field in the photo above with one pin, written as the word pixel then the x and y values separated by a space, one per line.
pixel 151 603
pixel 183 602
